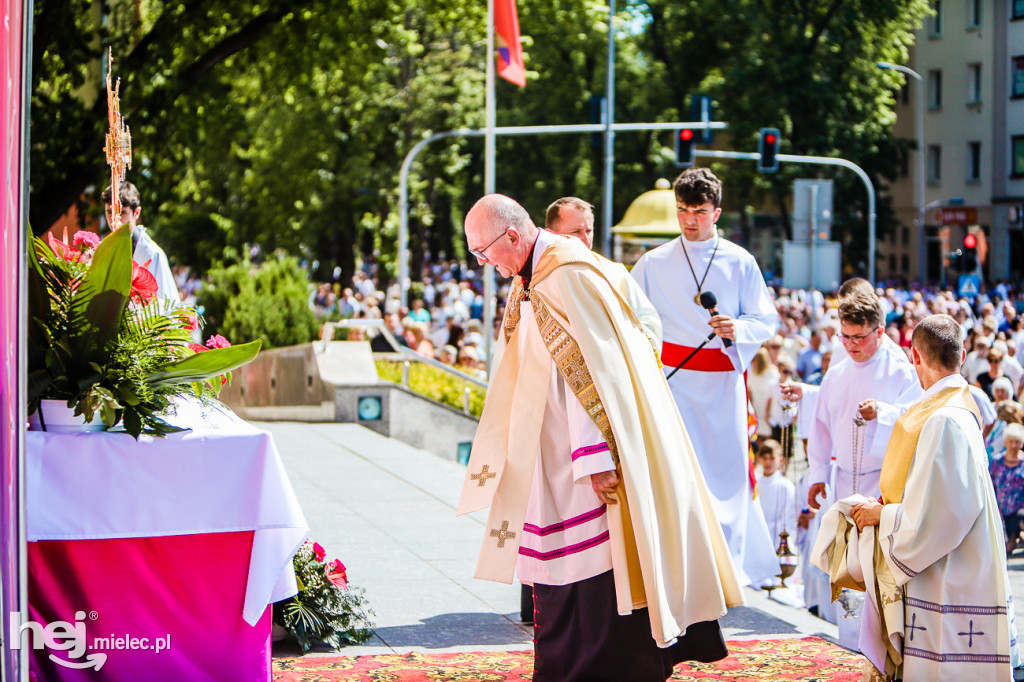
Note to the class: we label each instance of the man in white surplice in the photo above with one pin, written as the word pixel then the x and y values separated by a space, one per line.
pixel 859 402
pixel 939 534
pixel 710 390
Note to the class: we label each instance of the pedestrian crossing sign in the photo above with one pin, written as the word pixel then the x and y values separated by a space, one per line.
pixel 970 286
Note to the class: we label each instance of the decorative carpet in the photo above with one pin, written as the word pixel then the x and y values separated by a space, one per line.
pixel 810 659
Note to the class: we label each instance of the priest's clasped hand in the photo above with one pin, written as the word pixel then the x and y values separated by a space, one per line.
pixel 723 327
pixel 867 514
pixel 604 485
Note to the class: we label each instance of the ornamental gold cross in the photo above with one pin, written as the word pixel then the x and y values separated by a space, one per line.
pixel 503 534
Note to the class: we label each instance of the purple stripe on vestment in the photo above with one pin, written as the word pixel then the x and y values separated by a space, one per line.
pixel 569 523
pixel 956 658
pixel 589 450
pixel 972 609
pixel 564 551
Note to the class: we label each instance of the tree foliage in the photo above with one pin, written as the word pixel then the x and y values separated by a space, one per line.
pixel 286 124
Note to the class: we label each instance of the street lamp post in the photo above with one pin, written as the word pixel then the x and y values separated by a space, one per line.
pixel 922 254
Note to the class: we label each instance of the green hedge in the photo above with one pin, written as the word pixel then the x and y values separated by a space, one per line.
pixel 435 384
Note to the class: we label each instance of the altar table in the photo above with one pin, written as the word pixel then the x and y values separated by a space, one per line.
pixel 164 553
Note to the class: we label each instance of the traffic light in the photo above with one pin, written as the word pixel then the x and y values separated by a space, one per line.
pixel 768 148
pixel 969 260
pixel 684 147
pixel 700 110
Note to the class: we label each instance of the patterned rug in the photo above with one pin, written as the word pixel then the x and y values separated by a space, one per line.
pixel 810 659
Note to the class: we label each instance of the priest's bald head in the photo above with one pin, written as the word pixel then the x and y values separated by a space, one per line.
pixel 937 348
pixel 499 231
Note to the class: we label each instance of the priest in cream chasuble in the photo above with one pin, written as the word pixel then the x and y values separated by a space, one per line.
pixel 585 463
pixel 941 607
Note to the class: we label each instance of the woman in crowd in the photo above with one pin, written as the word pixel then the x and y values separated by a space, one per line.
pixel 1008 481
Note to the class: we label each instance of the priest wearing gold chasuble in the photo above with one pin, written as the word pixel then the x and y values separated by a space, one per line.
pixel 595 495
pixel 930 554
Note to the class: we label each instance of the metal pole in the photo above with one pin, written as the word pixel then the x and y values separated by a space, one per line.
pixel 488 274
pixel 922 249
pixel 823 160
pixel 814 231
pixel 609 138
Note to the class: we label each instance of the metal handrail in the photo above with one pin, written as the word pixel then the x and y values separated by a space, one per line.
pixel 410 354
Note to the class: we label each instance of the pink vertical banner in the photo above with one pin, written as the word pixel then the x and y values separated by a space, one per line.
pixel 13 102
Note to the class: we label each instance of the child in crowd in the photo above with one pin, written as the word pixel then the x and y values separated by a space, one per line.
pixel 1008 481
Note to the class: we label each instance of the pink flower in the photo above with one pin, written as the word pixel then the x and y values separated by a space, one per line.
pixel 198 348
pixel 84 240
pixel 318 551
pixel 217 341
pixel 190 321
pixel 144 286
pixel 335 572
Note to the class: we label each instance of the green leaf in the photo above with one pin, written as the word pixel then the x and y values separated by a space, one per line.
pixel 204 365
pixel 101 298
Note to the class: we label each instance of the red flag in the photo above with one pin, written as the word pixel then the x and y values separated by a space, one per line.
pixel 506 37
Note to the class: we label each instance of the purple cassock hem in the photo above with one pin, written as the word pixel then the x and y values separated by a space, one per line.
pixel 564 551
pixel 568 523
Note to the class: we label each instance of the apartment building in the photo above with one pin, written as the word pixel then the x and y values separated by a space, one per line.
pixel 970 56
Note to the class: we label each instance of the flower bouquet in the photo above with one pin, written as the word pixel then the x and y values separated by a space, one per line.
pixel 326 609
pixel 100 340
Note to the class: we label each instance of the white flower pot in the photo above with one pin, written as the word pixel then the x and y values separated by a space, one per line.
pixel 60 418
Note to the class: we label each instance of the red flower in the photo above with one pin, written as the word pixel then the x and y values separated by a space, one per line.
pixel 217 341
pixel 144 286
pixel 335 572
pixel 61 248
pixel 198 348
pixel 319 551
pixel 84 240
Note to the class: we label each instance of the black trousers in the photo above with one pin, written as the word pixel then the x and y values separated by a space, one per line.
pixel 580 637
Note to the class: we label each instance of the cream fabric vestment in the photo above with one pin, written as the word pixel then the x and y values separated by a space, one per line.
pixel 941 543
pixel 668 553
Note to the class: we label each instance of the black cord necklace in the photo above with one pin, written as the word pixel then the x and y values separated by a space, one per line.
pixel 700 284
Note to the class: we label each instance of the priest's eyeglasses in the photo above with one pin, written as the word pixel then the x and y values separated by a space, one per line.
pixel 856 339
pixel 480 254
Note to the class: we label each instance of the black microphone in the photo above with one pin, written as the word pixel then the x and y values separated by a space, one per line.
pixel 710 303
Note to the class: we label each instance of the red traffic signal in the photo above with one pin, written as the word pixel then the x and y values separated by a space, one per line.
pixel 768 149
pixel 684 147
pixel 970 241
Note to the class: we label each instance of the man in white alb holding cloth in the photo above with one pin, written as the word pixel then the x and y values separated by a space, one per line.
pixel 710 390
pixel 628 578
pixel 939 605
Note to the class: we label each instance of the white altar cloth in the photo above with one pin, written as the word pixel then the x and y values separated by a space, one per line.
pixel 222 475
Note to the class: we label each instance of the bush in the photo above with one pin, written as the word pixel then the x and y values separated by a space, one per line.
pixel 270 302
pixel 435 384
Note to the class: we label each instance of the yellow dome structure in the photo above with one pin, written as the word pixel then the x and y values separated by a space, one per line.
pixel 649 221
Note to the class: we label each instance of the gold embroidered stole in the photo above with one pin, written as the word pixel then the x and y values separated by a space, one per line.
pixel 907 431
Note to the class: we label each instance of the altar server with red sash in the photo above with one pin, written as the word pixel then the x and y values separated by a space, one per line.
pixel 710 390
pixel 594 491
pixel 930 554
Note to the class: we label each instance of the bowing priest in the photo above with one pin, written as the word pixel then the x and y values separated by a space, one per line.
pixel 710 390
pixel 940 607
pixel 629 577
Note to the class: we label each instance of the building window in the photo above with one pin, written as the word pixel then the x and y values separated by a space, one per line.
pixel 1017 144
pixel 973 13
pixel 905 235
pixel 892 262
pixel 905 93
pixel 973 161
pixel 935 89
pixel 973 84
pixel 905 263
pixel 934 163
pixel 935 20
pixel 1018 9
pixel 1018 77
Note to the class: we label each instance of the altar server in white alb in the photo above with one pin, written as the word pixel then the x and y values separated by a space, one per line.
pixel 595 495
pixel 937 558
pixel 860 400
pixel 710 390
